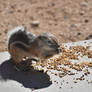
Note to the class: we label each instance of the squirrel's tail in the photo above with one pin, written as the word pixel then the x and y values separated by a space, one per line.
pixel 14 31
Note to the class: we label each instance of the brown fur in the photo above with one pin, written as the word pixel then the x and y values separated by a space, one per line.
pixel 39 48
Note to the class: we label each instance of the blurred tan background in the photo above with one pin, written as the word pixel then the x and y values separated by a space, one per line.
pixel 69 20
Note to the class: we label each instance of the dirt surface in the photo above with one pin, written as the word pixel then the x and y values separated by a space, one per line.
pixel 69 20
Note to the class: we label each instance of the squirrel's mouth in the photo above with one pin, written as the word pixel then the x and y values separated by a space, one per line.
pixel 48 55
pixel 58 50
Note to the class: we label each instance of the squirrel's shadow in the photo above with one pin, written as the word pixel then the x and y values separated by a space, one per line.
pixel 32 79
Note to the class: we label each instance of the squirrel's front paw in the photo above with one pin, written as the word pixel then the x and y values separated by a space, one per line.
pixel 23 66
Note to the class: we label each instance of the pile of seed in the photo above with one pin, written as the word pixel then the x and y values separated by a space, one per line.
pixel 56 62
pixel 63 65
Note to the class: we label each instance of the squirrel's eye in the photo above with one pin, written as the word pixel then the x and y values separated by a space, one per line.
pixel 49 42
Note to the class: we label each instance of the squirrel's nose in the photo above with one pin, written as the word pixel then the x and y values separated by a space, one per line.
pixel 58 50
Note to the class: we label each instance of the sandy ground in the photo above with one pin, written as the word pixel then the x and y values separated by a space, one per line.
pixel 69 20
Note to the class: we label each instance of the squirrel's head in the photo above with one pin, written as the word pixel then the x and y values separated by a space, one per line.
pixel 48 45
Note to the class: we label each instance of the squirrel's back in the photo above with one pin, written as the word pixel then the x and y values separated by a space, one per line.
pixel 19 34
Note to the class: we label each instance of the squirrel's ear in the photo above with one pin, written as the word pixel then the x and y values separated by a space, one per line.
pixel 24 27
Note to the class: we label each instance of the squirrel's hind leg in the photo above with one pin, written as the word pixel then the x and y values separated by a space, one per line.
pixel 17 55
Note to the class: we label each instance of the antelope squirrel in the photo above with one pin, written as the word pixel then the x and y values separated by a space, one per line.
pixel 25 44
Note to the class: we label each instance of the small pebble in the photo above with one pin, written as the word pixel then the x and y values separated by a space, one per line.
pixel 54 81
pixel 73 25
pixel 56 74
pixel 61 83
pixel 57 82
pixel 86 20
pixel 61 75
pixel 71 73
pixel 75 81
pixel 13 6
pixel 82 12
pixel 18 10
pixel 65 17
pixel 71 87
pixel 26 10
pixel 60 87
pixel 53 4
pixel 88 82
pixel 35 23
pixel 11 11
pixel 67 82
pixel 79 33
pixel 89 37
pixel 84 4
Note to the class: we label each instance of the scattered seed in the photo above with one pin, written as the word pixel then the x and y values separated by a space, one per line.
pixel 32 89
pixel 71 73
pixel 67 82
pixel 54 81
pixel 75 81
pixel 56 74
pixel 60 87
pixel 71 87
pixel 57 82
